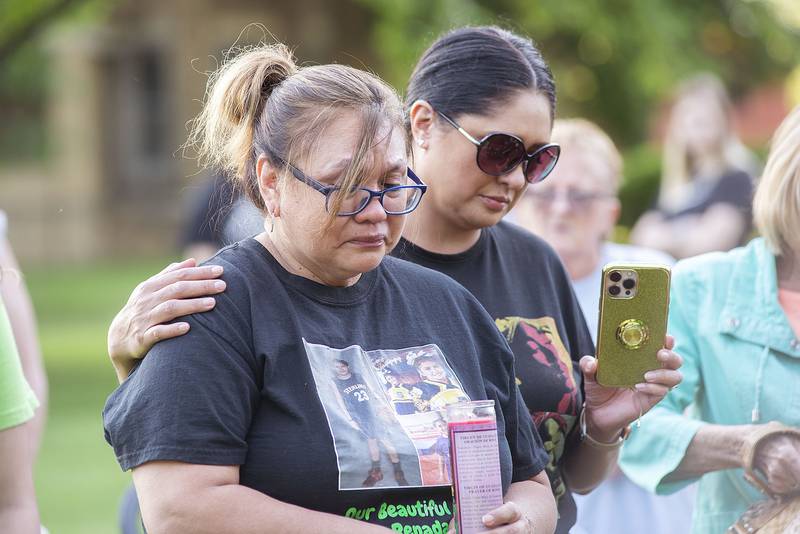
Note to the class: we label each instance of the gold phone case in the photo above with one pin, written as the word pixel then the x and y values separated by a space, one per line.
pixel 632 322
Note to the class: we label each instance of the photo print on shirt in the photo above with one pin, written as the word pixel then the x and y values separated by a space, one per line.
pixel 386 410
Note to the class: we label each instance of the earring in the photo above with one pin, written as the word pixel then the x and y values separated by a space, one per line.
pixel 271 221
pixel 421 144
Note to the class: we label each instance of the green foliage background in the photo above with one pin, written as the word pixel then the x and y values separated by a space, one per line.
pixel 614 61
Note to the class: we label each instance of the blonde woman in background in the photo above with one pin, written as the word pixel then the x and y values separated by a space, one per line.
pixel 575 211
pixel 706 185
pixel 736 319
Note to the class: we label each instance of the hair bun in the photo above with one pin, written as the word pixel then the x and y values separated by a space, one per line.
pixel 222 134
pixel 277 64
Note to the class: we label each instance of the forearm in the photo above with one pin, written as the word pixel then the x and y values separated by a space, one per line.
pixel 536 500
pixel 586 466
pixel 21 518
pixel 713 448
pixel 18 511
pixel 236 508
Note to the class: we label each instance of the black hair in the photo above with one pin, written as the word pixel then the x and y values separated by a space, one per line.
pixel 473 69
pixel 343 362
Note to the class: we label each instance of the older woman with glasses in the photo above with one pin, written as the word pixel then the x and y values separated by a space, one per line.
pixel 268 416
pixel 479 109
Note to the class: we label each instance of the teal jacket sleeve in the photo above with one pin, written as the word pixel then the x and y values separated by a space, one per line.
pixel 657 446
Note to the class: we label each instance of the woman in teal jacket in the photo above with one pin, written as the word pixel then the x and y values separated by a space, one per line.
pixel 736 319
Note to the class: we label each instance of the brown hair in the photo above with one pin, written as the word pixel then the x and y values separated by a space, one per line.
pixel 260 102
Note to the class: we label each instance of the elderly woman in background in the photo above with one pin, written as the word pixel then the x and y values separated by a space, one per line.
pixel 736 318
pixel 575 211
pixel 706 180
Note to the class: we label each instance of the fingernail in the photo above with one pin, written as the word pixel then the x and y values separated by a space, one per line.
pixel 183 327
pixel 640 387
pixel 216 269
pixel 219 285
pixel 209 302
pixel 649 375
pixel 488 519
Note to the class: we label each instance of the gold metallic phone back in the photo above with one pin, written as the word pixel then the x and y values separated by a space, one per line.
pixel 631 331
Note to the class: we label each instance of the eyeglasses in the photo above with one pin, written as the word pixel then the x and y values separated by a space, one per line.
pixel 396 200
pixel 573 197
pixel 500 153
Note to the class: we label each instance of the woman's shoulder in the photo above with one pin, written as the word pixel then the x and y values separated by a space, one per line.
pixel 523 253
pixel 511 231
pixel 523 245
pixel 248 271
pixel 715 270
pixel 242 261
pixel 714 264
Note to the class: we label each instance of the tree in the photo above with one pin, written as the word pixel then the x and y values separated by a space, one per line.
pixel 613 60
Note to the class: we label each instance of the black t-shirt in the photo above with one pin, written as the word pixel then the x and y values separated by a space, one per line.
pixel 734 188
pixel 220 214
pixel 521 282
pixel 253 384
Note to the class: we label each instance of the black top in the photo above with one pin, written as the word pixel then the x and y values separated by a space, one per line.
pixel 253 384
pixel 220 215
pixel 734 188
pixel 521 282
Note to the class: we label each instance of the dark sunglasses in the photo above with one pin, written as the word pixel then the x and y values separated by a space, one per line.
pixel 500 153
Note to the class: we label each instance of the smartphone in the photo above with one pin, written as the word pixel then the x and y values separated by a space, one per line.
pixel 632 324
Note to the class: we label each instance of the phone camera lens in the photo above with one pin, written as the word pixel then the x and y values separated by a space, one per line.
pixel 615 276
pixel 614 290
pixel 629 283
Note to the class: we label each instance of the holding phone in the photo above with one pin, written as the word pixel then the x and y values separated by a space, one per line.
pixel 634 305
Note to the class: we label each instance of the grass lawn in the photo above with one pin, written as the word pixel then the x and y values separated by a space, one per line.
pixel 78 481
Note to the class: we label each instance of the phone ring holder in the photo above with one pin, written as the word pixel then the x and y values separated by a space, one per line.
pixel 632 334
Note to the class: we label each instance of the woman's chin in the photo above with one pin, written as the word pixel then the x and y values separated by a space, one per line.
pixel 363 261
pixel 481 217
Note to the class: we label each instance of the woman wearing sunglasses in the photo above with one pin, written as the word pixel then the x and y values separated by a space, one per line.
pixel 266 416
pixel 479 109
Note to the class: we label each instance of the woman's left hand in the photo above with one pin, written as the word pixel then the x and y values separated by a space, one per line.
pixel 505 519
pixel 610 409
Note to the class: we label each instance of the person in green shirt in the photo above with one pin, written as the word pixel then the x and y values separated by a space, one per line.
pixel 18 511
